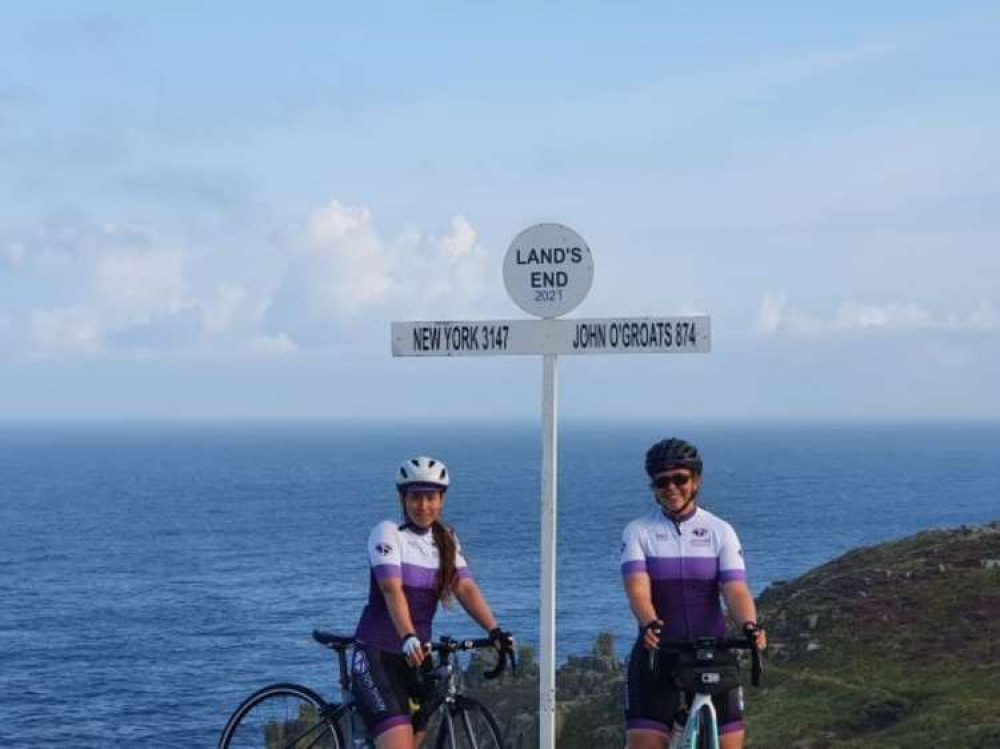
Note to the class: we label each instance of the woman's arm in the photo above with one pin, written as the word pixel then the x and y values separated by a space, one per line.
pixel 473 601
pixel 739 601
pixel 640 600
pixel 399 610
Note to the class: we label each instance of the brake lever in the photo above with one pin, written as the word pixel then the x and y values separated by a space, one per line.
pixel 653 656
pixel 756 661
pixel 501 665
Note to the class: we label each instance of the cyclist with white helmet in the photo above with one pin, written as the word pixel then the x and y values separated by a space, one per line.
pixel 676 561
pixel 414 565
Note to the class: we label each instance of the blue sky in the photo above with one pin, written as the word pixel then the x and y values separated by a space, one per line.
pixel 214 213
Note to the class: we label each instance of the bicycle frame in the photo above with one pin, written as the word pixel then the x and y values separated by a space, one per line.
pixel 446 690
pixel 696 714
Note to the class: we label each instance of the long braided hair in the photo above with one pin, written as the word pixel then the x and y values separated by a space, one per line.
pixel 447 550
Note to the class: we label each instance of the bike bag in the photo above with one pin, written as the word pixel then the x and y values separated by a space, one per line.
pixel 707 671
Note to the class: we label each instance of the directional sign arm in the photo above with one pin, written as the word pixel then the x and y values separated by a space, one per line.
pixel 613 335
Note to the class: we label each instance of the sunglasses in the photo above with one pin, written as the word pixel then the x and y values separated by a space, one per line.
pixel 671 479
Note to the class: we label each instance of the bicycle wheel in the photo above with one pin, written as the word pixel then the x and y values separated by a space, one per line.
pixel 282 716
pixel 466 724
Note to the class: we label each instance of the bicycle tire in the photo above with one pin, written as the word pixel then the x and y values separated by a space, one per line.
pixel 282 716
pixel 467 724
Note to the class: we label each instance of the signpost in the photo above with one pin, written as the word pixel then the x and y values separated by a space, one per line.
pixel 548 270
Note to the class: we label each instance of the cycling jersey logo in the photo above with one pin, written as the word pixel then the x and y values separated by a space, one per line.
pixel 700 532
pixel 383 549
pixel 360 664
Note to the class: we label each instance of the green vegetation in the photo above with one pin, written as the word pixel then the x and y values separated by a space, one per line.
pixel 893 646
pixel 897 645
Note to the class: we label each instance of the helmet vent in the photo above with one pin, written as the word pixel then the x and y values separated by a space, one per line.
pixel 423 470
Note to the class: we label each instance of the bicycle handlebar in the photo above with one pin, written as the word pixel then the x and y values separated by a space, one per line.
pixel 445 645
pixel 450 645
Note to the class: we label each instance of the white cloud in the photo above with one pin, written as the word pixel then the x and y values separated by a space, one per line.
pixel 341 267
pixel 222 312
pixel 125 289
pixel 775 317
pixel 772 308
pixel 66 330
pixel 441 276
pixel 346 265
pixel 137 286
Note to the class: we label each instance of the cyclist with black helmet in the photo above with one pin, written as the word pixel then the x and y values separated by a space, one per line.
pixel 414 565
pixel 676 561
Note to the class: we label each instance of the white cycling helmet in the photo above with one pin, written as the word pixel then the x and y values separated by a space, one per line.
pixel 422 473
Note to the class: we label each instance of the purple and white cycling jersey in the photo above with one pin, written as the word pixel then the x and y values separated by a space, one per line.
pixel 411 555
pixel 687 563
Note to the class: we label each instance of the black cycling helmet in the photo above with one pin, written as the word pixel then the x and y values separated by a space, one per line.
pixel 672 453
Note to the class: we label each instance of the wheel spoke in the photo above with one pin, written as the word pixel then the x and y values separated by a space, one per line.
pixel 467 725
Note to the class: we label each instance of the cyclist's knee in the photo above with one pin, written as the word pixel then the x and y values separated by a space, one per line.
pixel 644 739
pixel 397 737
pixel 733 740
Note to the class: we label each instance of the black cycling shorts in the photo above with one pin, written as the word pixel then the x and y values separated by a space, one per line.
pixel 387 690
pixel 652 699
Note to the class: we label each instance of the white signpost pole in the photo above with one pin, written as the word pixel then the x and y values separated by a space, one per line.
pixel 548 270
pixel 550 467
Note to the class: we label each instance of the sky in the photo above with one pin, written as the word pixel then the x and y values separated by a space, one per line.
pixel 214 211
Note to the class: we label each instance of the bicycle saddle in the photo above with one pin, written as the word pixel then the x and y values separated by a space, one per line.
pixel 332 640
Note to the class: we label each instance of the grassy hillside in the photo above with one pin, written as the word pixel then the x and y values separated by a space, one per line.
pixel 893 646
pixel 896 645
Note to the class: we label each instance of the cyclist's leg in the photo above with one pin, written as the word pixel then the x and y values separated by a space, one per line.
pixel 646 739
pixel 733 739
pixel 732 726
pixel 396 737
pixel 376 682
pixel 651 701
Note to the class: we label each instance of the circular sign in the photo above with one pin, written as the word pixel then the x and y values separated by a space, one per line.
pixel 548 270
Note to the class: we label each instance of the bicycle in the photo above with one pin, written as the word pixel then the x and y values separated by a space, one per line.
pixel 700 673
pixel 292 716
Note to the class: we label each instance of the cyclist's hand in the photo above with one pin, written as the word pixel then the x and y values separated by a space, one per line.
pixel 502 640
pixel 414 650
pixel 651 634
pixel 751 629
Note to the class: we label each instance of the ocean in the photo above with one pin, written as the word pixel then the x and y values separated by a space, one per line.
pixel 151 576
